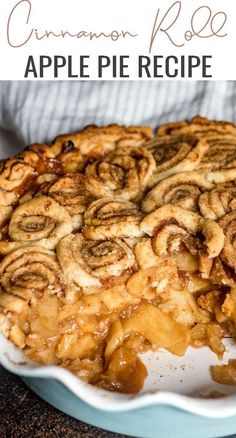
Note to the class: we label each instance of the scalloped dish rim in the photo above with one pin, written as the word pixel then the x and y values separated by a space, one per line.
pixel 14 361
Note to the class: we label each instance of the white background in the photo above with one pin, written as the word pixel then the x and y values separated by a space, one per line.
pixel 106 15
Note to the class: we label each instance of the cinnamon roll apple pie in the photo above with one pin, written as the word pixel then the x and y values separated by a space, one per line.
pixel 114 242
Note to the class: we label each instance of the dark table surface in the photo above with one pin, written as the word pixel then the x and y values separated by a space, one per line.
pixel 24 415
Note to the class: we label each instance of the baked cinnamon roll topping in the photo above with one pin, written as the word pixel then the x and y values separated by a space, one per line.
pixel 41 220
pixel 198 126
pixel 175 154
pixel 113 243
pixel 182 189
pixel 218 202
pixel 112 218
pixel 89 263
pixel 125 173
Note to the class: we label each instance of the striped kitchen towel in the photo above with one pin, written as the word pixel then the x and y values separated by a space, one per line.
pixel 38 111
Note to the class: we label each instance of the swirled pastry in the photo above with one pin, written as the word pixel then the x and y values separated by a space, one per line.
pixel 72 192
pixel 172 227
pixel 125 173
pixel 175 154
pixel 42 221
pixel 198 126
pixel 30 270
pixel 182 189
pixel 106 218
pixel 40 183
pixel 90 263
pixel 112 244
pixel 16 173
pixel 73 150
pixel 15 177
pixel 228 225
pixel 218 202
pixel 220 154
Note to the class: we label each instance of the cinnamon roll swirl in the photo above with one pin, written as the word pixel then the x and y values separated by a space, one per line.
pixel 228 225
pixel 175 154
pixel 15 176
pixel 197 126
pixel 42 221
pixel 147 258
pixel 30 270
pixel 172 228
pixel 218 202
pixel 73 150
pixel 221 153
pixel 125 173
pixel 91 263
pixel 182 189
pixel 112 218
pixel 72 192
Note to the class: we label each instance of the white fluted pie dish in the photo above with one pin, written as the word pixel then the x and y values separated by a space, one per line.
pixel 183 383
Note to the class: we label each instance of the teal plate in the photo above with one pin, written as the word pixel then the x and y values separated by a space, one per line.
pixel 150 422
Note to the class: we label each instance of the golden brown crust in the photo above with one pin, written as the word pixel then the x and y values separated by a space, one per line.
pixel 30 269
pixel 124 174
pixel 198 126
pixel 112 244
pixel 15 177
pixel 107 217
pixel 228 225
pixel 42 221
pixel 221 153
pixel 175 154
pixel 218 202
pixel 73 150
pixel 173 228
pixel 182 189
pixel 90 263
pixel 18 173
pixel 101 140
